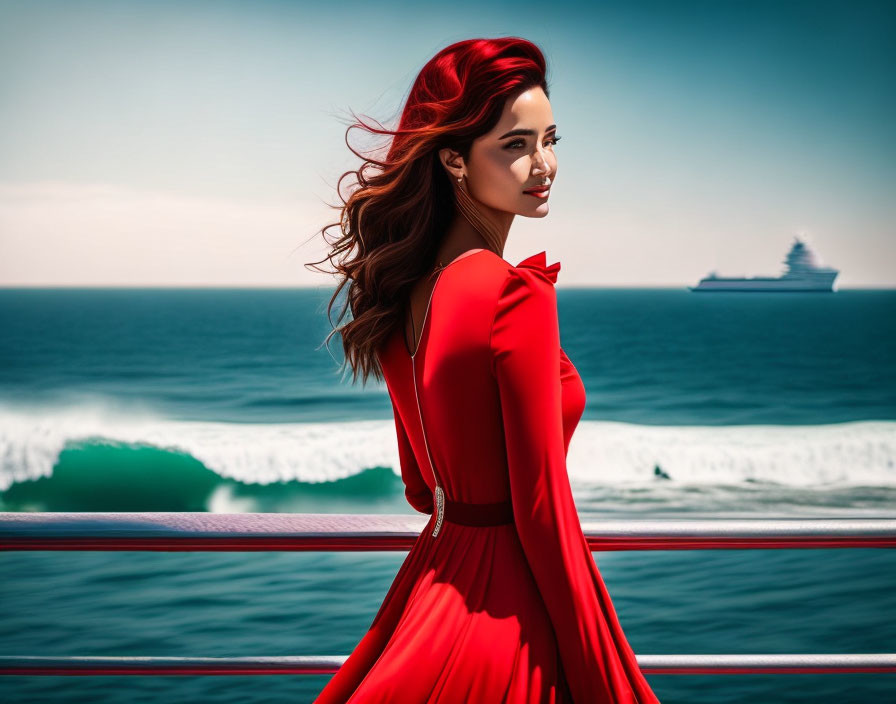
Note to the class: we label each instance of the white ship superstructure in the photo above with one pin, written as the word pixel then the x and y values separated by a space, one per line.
pixel 803 274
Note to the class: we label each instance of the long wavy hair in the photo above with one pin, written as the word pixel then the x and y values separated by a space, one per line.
pixel 393 222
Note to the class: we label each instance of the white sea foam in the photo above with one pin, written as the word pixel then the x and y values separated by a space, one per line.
pixel 854 453
pixel 31 441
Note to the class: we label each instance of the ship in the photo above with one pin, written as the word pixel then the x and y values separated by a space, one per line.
pixel 803 274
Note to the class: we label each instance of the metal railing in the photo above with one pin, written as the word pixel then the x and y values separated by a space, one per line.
pixel 379 532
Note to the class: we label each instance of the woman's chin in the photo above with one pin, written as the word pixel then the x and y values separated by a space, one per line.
pixel 539 210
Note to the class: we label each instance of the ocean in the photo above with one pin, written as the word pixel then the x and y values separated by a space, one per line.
pixel 228 400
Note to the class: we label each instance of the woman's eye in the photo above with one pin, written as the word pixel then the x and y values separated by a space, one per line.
pixel 518 142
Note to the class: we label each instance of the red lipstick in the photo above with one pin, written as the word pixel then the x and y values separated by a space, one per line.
pixel 538 191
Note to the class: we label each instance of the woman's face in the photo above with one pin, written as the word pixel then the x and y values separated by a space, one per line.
pixel 517 154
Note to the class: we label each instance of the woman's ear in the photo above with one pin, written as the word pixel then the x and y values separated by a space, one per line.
pixel 452 161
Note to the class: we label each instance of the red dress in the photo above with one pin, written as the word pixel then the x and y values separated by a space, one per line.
pixel 504 604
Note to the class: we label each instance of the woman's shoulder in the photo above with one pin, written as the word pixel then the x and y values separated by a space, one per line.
pixel 525 308
pixel 531 272
pixel 535 266
pixel 490 294
pixel 487 282
pixel 526 296
pixel 532 277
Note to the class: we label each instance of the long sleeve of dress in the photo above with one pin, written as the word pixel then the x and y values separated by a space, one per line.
pixel 416 491
pixel 525 354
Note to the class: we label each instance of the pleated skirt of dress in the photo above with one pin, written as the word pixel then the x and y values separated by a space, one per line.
pixel 463 622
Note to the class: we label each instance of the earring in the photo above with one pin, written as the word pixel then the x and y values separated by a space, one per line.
pixel 460 178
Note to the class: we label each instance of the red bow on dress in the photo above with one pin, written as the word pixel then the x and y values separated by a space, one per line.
pixel 537 261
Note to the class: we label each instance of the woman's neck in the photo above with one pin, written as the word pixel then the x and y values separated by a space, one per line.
pixel 462 236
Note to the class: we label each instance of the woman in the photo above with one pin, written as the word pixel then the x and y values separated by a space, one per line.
pixel 500 599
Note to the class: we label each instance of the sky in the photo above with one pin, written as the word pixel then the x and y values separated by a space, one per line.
pixel 199 143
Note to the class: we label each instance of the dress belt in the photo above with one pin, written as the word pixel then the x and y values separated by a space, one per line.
pixel 493 514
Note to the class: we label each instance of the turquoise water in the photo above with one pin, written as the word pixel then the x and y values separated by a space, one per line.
pixel 221 400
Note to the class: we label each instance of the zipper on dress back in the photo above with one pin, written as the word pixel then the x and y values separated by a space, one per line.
pixel 439 491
